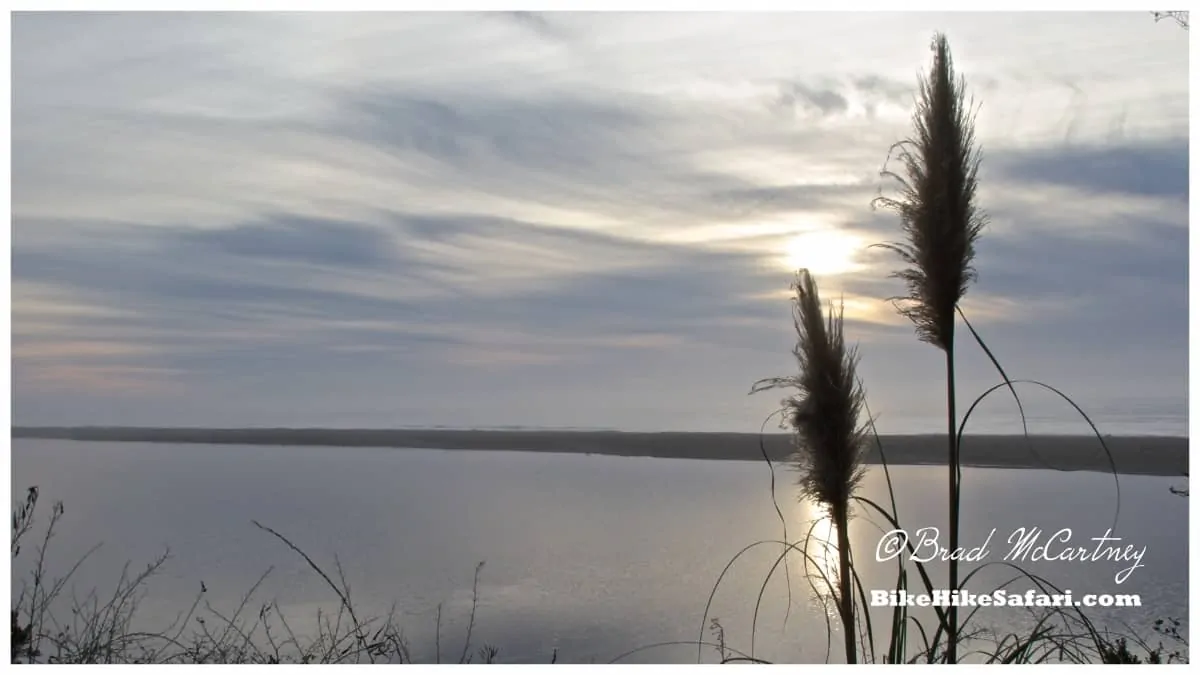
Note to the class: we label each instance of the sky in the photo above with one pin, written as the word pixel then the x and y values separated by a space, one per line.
pixel 576 219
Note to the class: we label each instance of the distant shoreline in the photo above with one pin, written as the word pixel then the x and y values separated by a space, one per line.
pixel 1138 455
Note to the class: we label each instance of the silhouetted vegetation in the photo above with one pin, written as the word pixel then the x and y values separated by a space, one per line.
pixel 1180 19
pixel 941 223
pixel 825 414
pixel 100 629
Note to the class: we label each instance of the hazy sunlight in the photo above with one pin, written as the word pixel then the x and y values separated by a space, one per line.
pixel 823 252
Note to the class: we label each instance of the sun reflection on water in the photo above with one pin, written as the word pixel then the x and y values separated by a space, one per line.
pixel 819 564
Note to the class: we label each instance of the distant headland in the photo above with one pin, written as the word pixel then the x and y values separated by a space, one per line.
pixel 1146 455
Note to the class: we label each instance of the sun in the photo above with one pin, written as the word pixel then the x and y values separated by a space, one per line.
pixel 823 252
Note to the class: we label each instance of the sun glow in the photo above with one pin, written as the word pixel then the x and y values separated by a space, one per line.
pixel 823 252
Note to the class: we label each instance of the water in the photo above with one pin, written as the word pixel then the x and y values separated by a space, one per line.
pixel 591 556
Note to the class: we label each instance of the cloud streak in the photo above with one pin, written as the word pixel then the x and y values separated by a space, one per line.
pixel 591 227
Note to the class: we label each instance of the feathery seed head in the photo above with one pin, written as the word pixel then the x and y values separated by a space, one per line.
pixel 824 411
pixel 937 206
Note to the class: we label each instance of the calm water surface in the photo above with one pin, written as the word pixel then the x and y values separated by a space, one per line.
pixel 589 555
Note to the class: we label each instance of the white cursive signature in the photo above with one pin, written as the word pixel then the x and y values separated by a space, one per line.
pixel 1027 544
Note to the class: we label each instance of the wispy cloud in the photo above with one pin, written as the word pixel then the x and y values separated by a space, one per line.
pixel 212 225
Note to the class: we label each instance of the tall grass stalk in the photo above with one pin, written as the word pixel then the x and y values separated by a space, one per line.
pixel 941 223
pixel 824 415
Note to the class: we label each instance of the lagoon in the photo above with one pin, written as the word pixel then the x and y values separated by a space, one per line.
pixel 586 556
